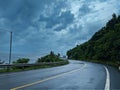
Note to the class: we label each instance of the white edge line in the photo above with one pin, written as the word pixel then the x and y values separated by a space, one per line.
pixel 107 84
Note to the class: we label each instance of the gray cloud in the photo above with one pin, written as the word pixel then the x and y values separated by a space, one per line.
pixel 84 9
pixel 65 18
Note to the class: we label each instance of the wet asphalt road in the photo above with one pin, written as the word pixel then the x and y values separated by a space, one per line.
pixel 77 75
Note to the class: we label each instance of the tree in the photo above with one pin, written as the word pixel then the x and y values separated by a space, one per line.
pixel 58 55
pixel 21 60
pixel 114 16
pixel 52 53
pixel 110 25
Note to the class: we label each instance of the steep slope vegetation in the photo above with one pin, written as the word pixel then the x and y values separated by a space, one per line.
pixel 103 46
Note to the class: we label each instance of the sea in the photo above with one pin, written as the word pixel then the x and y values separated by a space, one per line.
pixel 5 57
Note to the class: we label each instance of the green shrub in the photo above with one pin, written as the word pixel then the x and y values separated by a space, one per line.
pixel 21 60
pixel 50 58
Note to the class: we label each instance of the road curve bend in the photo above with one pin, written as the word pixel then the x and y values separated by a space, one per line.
pixel 77 75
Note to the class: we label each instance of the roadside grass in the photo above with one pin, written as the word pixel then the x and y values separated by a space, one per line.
pixel 18 69
pixel 109 63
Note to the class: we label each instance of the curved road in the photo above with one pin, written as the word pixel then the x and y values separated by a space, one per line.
pixel 75 76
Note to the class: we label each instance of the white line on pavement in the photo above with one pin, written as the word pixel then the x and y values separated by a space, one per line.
pixel 107 84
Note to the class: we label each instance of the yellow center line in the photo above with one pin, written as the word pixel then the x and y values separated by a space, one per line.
pixel 49 78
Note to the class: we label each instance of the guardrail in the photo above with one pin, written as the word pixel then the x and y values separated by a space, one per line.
pixel 28 65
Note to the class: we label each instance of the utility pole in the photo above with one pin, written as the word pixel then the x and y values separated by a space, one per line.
pixel 10 48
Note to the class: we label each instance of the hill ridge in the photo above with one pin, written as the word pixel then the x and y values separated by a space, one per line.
pixel 104 44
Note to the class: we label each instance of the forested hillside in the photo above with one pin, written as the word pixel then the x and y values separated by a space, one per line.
pixel 104 44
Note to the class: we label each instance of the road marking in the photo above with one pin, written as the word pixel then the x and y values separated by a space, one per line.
pixel 107 85
pixel 49 78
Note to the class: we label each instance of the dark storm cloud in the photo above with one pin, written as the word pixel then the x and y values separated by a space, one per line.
pixel 65 19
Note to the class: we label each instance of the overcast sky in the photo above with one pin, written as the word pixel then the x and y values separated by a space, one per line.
pixel 40 26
